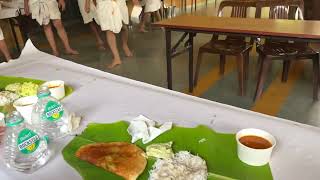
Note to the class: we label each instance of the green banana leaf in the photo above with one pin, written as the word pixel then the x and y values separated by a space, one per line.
pixel 219 151
pixel 6 80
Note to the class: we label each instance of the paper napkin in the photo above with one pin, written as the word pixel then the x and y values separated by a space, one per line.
pixel 145 129
pixel 72 124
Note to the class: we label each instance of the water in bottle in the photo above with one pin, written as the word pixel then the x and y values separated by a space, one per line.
pixel 49 115
pixel 26 149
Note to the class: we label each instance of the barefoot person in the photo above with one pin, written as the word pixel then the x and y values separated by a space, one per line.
pixel 4 47
pixel 113 18
pixel 46 12
pixel 91 19
pixel 151 6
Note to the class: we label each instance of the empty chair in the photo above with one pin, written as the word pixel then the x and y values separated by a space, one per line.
pixel 284 50
pixel 232 45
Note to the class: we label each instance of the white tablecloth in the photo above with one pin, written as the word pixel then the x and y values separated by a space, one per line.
pixel 103 97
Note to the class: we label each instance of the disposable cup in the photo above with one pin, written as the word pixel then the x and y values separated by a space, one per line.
pixel 251 156
pixel 25 105
pixel 56 88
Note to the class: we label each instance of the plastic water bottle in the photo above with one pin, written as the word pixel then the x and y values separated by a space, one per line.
pixel 26 150
pixel 49 115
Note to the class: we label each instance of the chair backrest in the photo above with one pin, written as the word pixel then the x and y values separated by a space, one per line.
pixel 239 8
pixel 279 12
pixel 282 9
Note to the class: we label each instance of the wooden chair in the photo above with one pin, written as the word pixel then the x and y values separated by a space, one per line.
pixel 232 45
pixel 284 50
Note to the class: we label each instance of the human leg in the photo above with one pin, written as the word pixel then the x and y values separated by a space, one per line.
pixel 50 37
pixel 145 18
pixel 158 16
pixel 95 30
pixel 111 39
pixel 64 37
pixel 124 38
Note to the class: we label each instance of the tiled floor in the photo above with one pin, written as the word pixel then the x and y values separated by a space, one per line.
pixel 292 100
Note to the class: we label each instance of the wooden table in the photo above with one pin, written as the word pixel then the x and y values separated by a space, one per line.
pixel 272 28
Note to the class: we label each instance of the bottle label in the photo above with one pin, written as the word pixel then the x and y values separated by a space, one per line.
pixel 53 111
pixel 28 141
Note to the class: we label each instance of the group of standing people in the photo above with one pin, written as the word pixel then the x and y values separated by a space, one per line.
pixel 109 16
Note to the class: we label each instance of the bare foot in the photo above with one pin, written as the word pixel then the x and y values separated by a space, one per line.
pixel 72 52
pixel 127 51
pixel 142 30
pixel 55 53
pixel 114 64
pixel 101 47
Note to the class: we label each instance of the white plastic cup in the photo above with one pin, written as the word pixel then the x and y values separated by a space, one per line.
pixel 56 88
pixel 25 105
pixel 251 156
pixel 2 123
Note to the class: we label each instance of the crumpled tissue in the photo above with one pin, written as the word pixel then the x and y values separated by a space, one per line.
pixel 73 122
pixel 144 128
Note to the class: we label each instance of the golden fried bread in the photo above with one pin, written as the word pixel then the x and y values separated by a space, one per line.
pixel 121 158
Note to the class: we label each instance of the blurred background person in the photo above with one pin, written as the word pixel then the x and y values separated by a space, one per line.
pixel 45 12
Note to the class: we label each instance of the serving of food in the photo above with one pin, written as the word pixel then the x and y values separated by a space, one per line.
pixel 13 88
pixel 105 151
pixel 121 158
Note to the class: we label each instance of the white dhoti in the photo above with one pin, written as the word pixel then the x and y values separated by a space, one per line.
pixel 152 5
pixel 88 17
pixel 1 35
pixel 44 10
pixel 112 14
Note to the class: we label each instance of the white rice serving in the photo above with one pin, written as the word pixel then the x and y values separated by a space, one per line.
pixel 7 97
pixel 183 166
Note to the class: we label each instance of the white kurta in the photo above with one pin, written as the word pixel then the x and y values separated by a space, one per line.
pixel 112 14
pixel 44 10
pixel 88 17
pixel 1 35
pixel 151 5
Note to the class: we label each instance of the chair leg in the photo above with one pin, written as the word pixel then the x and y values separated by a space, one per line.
pixel 246 66
pixel 259 63
pixel 191 5
pixel 199 60
pixel 240 63
pixel 222 64
pixel 315 77
pixel 285 70
pixel 265 65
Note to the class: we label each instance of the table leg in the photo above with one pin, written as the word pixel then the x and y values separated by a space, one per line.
pixel 168 55
pixel 191 35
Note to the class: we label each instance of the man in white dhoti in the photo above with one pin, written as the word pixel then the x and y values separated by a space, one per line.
pixel 91 19
pixel 113 17
pixel 45 12
pixel 4 47
pixel 151 6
